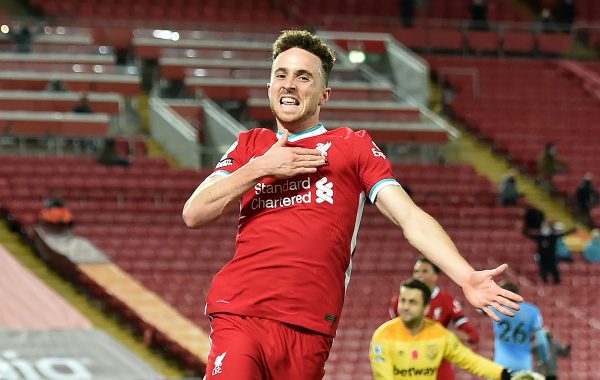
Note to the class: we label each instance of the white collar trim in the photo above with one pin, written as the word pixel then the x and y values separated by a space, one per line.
pixel 319 129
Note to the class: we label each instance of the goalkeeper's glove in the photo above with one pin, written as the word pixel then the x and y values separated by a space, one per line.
pixel 507 374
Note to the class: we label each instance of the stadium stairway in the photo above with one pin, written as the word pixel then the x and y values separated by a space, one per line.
pixel 154 148
pixel 104 321
pixel 495 168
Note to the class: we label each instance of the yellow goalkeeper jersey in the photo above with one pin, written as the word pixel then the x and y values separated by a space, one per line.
pixel 396 354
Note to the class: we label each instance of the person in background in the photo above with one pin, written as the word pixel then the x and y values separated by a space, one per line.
pixel 442 308
pixel 479 18
pixel 546 238
pixel 546 21
pixel 565 13
pixel 55 214
pixel 22 36
pixel 513 337
pixel 109 156
pixel 563 252
pixel 548 165
pixel 413 347
pixel 556 349
pixel 407 12
pixel 591 251
pixel 509 193
pixel 56 85
pixel 533 219
pixel 83 105
pixel 586 196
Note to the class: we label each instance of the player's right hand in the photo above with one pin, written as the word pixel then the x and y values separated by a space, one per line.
pixel 282 161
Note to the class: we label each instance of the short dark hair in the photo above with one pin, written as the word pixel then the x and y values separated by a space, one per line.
pixel 510 286
pixel 308 41
pixel 416 284
pixel 436 269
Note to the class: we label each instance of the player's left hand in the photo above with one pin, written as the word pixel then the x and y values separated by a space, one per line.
pixel 482 292
pixel 527 375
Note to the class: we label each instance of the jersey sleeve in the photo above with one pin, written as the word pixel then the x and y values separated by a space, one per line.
pixel 461 321
pixel 465 358
pixel 235 157
pixel 393 311
pixel 538 321
pixel 374 169
pixel 468 329
pixel 542 345
pixel 381 359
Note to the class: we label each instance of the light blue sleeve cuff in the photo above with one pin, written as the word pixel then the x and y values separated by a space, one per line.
pixel 220 173
pixel 380 185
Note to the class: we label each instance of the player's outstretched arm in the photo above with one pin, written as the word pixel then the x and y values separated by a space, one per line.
pixel 217 194
pixel 425 234
pixel 482 292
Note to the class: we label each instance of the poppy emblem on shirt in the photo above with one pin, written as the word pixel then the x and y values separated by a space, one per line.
pixel 415 355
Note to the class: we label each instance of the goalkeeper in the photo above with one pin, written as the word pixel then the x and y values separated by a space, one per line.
pixel 412 347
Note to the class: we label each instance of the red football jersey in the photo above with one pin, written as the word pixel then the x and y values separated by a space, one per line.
pixel 296 236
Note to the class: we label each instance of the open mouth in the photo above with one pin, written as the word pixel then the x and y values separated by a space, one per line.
pixel 289 101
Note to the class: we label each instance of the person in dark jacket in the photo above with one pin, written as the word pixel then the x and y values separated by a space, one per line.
pixel 546 238
pixel 586 196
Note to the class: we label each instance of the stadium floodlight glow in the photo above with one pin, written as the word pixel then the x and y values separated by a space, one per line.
pixel 190 53
pixel 98 69
pixel 103 50
pixel 77 68
pixel 165 35
pixel 60 30
pixel 200 72
pixel 227 54
pixel 4 29
pixel 356 56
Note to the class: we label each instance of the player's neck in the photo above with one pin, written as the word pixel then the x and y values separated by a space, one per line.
pixel 414 327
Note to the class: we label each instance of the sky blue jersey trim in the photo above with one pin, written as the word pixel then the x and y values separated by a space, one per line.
pixel 314 131
pixel 380 185
pixel 221 172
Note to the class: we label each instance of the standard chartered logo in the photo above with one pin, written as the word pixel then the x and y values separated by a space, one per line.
pixel 324 191
pixel 270 196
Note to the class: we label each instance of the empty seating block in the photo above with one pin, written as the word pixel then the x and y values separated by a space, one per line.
pixel 109 103
pixel 518 42
pixel 15 123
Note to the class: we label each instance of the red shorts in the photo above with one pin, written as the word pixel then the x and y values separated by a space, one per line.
pixel 252 348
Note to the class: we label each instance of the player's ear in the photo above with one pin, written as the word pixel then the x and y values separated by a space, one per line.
pixel 325 96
